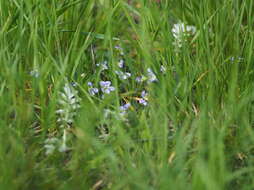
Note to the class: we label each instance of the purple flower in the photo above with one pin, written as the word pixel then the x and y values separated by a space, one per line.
pixel 92 91
pixel 139 79
pixel 144 98
pixel 90 84
pixel 142 101
pixel 144 94
pixel 106 87
pixel 124 108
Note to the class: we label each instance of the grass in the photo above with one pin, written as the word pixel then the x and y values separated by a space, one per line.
pixel 196 132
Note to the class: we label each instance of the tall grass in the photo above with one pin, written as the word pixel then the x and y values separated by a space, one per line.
pixel 196 131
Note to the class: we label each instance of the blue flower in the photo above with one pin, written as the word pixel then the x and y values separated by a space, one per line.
pixel 142 101
pixel 90 84
pixel 139 79
pixel 92 91
pixel 124 108
pixel 106 87
pixel 144 94
pixel 144 98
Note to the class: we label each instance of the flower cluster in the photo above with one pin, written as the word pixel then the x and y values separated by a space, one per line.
pixel 69 101
pixel 180 31
pixel 106 87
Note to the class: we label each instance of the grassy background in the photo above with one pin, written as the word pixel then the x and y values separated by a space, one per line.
pixel 196 133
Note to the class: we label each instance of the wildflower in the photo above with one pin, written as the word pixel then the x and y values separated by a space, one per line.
pixel 144 94
pixel 180 31
pixel 90 84
pixel 143 100
pixel 68 105
pixel 124 108
pixel 123 75
pixel 151 76
pixel 121 63
pixel 92 91
pixel 139 79
pixel 103 65
pixel 106 87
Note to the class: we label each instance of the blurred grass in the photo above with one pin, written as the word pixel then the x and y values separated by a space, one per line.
pixel 197 132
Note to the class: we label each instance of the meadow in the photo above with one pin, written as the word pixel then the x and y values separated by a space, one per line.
pixel 126 94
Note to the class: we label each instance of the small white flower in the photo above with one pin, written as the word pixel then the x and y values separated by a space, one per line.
pixel 103 65
pixel 123 75
pixel 151 76
pixel 180 31
pixel 121 63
